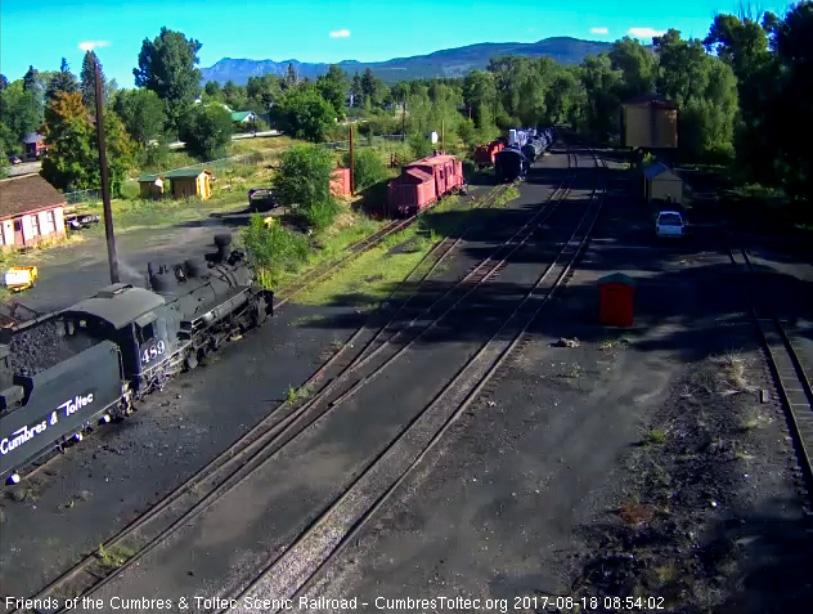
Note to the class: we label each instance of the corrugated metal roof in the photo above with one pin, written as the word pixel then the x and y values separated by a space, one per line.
pixel 149 178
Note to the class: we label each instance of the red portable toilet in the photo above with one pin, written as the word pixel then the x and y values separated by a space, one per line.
pixel 616 300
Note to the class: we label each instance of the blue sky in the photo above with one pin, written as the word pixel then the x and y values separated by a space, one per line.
pixel 42 32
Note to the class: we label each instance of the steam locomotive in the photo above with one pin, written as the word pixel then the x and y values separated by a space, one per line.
pixel 64 373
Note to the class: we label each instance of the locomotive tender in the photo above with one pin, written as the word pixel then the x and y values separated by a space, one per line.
pixel 66 372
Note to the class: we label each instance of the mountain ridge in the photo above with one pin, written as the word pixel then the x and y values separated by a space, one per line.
pixel 454 62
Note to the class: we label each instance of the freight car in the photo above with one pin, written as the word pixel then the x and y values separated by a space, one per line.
pixel 64 373
pixel 510 164
pixel 484 154
pixel 423 183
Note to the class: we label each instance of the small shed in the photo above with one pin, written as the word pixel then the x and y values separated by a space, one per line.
pixel 152 186
pixel 649 122
pixel 616 300
pixel 664 184
pixel 190 182
pixel 340 182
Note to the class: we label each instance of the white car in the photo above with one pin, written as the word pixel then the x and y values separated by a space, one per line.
pixel 670 225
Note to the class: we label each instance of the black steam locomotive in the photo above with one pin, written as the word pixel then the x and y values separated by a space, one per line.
pixel 87 364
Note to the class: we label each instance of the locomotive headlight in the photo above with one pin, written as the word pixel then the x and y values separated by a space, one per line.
pixel 13 479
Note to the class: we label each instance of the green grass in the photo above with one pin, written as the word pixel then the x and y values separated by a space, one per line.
pixel 129 215
pixel 655 436
pixel 371 278
pixel 113 558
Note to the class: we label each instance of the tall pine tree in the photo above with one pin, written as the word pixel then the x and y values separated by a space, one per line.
pixel 87 78
pixel 30 80
pixel 63 81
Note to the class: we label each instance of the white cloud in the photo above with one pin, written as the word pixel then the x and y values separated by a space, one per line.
pixel 599 30
pixel 645 32
pixel 90 45
pixel 340 34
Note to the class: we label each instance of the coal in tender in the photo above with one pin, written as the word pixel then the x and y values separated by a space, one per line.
pixel 45 345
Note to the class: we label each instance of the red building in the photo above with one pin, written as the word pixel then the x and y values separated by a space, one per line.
pixel 31 210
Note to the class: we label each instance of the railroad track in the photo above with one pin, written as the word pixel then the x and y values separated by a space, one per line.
pixel 263 440
pixel 282 437
pixel 789 373
pixel 367 243
pixel 308 280
pixel 272 434
pixel 290 574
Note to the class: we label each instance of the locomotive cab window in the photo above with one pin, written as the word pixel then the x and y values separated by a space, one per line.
pixel 145 333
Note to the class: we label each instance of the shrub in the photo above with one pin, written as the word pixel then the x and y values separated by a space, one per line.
pixel 321 214
pixel 207 130
pixel 420 145
pixel 273 250
pixel 303 182
pixel 154 157
pixel 368 169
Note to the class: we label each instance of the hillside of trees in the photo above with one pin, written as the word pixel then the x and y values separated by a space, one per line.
pixel 744 94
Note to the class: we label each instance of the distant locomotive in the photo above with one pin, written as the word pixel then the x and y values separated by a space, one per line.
pixel 424 182
pixel 66 372
pixel 510 164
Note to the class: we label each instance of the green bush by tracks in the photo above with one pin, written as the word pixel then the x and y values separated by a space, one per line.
pixel 273 250
pixel 303 183
pixel 368 169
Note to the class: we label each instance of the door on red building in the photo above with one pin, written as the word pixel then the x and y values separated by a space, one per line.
pixel 18 232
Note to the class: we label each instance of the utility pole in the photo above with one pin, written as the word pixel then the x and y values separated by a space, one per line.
pixel 442 136
pixel 352 165
pixel 403 120
pixel 112 259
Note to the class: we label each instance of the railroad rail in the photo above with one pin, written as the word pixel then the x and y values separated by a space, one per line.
pixel 282 436
pixel 273 433
pixel 289 574
pixel 254 447
pixel 789 373
pixel 367 243
pixel 28 317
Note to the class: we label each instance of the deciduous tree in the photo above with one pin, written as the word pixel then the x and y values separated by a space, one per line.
pixel 206 130
pixel 142 112
pixel 167 66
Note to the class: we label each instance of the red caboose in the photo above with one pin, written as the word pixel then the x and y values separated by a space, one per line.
pixel 424 182
pixel 484 154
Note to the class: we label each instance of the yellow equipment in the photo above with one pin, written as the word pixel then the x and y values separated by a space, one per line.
pixel 20 278
pixel 269 221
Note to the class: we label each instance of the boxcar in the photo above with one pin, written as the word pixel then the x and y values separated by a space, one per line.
pixel 423 183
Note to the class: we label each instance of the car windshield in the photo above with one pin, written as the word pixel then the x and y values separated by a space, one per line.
pixel 670 219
